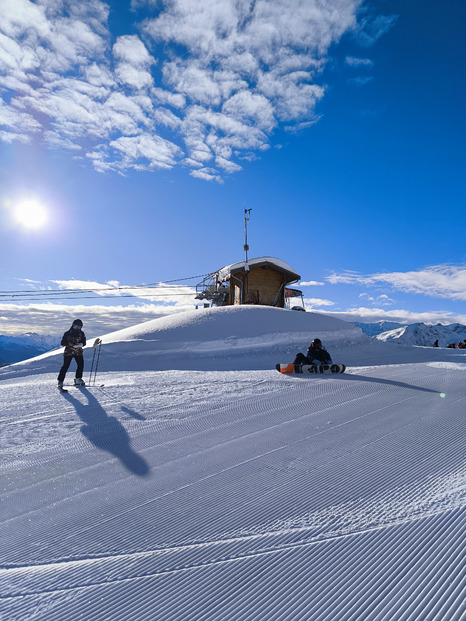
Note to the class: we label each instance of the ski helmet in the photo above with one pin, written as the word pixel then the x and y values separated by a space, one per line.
pixel 317 343
pixel 78 322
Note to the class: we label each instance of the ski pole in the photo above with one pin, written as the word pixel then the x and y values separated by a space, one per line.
pixel 97 361
pixel 92 366
pixel 97 342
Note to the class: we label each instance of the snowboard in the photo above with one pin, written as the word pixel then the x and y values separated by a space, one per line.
pixel 312 369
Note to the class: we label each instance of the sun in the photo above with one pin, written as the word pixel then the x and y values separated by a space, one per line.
pixel 31 214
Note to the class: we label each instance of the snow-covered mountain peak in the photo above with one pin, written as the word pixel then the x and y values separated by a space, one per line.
pixel 425 335
pixel 16 348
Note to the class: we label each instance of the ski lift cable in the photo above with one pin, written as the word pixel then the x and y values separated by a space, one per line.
pixel 106 297
pixel 49 292
pixel 104 291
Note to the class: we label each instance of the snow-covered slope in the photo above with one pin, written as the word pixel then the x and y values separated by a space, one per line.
pixel 422 334
pixel 235 494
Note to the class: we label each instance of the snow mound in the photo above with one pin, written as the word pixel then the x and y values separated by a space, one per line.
pixel 218 338
pixel 233 337
pixel 244 326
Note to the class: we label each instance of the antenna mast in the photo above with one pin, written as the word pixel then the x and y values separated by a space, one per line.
pixel 247 215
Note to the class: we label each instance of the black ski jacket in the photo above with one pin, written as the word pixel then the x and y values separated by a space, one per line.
pixel 72 338
pixel 318 354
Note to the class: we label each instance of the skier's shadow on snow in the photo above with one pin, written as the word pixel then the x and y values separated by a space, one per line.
pixel 107 433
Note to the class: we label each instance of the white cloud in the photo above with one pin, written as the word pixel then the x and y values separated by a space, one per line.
pixel 130 49
pixel 361 80
pixel 292 97
pixel 167 118
pixel 161 293
pixel 15 62
pixel 227 75
pixel 54 319
pixel 73 41
pixel 99 75
pixel 251 107
pixel 439 281
pixel 47 308
pixel 383 299
pixel 137 4
pixel 371 28
pixel 86 285
pixel 352 61
pixel 313 302
pixel 134 62
pixel 15 123
pixel 226 164
pixel 21 15
pixel 311 283
pixel 207 174
pixel 167 97
pixel 146 152
pixel 132 76
pixel 198 84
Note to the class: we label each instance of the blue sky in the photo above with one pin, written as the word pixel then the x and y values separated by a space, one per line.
pixel 145 128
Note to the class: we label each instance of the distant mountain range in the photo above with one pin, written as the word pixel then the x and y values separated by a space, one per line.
pixel 17 348
pixel 374 329
pixel 415 333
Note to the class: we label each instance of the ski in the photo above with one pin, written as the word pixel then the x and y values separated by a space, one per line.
pixel 80 386
pixel 312 369
pixel 93 386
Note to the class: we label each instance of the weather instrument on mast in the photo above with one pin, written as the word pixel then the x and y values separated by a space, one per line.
pixel 247 215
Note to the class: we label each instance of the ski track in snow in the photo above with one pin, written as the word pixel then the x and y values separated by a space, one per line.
pixel 236 495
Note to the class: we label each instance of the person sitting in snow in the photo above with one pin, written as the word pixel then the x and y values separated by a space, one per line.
pixel 461 345
pixel 316 354
pixel 436 343
pixel 73 341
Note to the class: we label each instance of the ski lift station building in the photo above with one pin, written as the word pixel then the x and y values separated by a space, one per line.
pixel 261 281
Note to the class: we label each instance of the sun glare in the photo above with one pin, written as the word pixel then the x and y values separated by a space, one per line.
pixel 30 214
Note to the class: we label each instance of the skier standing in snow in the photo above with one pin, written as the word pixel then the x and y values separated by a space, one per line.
pixel 316 354
pixel 73 341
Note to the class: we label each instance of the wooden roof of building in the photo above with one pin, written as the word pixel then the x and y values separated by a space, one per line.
pixel 225 272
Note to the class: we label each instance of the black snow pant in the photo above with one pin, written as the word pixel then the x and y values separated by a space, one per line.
pixel 66 364
pixel 302 359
